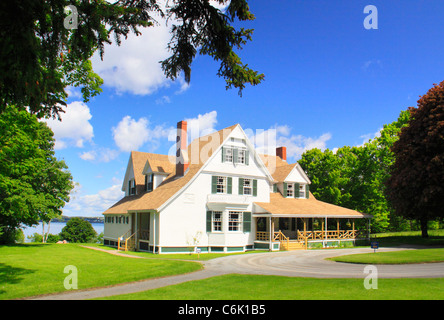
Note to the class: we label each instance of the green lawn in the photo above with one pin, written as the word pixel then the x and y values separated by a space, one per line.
pixel 33 269
pixel 254 287
pixel 395 257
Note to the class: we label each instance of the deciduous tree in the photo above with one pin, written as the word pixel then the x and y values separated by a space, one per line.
pixel 416 185
pixel 34 185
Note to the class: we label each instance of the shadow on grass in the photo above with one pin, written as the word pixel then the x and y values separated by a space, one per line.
pixel 12 275
pixel 414 242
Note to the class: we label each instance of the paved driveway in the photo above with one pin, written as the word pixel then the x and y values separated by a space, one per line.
pixel 301 263
pixel 312 263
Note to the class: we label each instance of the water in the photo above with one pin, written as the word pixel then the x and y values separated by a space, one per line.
pixel 55 228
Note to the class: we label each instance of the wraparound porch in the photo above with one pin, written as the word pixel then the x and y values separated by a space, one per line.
pixel 291 233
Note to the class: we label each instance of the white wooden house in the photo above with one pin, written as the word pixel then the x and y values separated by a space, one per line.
pixel 219 195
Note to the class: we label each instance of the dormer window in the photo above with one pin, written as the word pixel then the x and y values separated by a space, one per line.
pixel 131 187
pixel 149 182
pixel 235 155
pixel 290 190
pixel 302 191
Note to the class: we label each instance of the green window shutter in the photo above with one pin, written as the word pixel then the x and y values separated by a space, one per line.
pixel 247 157
pixel 229 185
pixel 285 190
pixel 255 188
pixel 223 154
pixel 241 186
pixel 247 222
pixel 296 190
pixel 275 188
pixel 307 191
pixel 214 184
pixel 235 155
pixel 209 215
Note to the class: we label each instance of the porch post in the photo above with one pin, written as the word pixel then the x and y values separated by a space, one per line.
pixel 271 230
pixel 337 225
pixel 322 229
pixel 305 227
pixel 326 229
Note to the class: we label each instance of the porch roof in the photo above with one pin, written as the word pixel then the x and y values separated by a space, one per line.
pixel 304 208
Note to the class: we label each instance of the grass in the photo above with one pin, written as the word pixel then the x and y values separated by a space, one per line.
pixel 254 287
pixel 34 269
pixel 395 257
pixel 406 238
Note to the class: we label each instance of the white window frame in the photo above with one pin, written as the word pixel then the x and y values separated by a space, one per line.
pixel 148 182
pixel 235 224
pixel 248 187
pixel 302 191
pixel 132 186
pixel 228 154
pixel 241 155
pixel 221 185
pixel 216 223
pixel 290 190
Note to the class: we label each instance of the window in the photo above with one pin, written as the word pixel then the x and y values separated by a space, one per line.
pixel 221 185
pixel 228 155
pixel 131 187
pixel 241 156
pixel 290 190
pixel 235 155
pixel 301 191
pixel 248 187
pixel 234 221
pixel 149 178
pixel 217 221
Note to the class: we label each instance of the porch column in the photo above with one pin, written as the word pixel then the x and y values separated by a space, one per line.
pixel 322 229
pixel 337 225
pixel 326 229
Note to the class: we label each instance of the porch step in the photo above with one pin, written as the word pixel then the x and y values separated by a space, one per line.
pixel 292 245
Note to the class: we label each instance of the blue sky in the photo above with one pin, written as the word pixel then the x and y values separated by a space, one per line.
pixel 329 82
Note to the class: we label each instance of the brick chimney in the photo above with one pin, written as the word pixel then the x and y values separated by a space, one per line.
pixel 182 162
pixel 282 153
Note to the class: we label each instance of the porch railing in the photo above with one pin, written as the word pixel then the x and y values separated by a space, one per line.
pixel 311 235
pixel 328 234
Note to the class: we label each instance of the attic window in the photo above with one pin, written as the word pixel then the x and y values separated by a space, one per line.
pixel 131 187
pixel 290 190
pixel 149 178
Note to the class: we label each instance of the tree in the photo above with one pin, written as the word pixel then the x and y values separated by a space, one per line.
pixel 415 187
pixel 354 177
pixel 78 230
pixel 43 50
pixel 34 185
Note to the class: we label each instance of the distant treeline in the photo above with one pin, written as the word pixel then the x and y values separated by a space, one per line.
pixel 90 219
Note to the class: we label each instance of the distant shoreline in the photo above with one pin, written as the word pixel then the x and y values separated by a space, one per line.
pixel 90 219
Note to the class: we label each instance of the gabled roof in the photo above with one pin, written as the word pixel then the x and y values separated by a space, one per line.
pixel 305 208
pixel 199 151
pixel 280 169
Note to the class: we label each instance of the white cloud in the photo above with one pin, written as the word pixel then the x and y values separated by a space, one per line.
pixel 201 125
pixel 130 135
pixel 74 128
pixel 100 155
pixel 92 204
pixel 266 141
